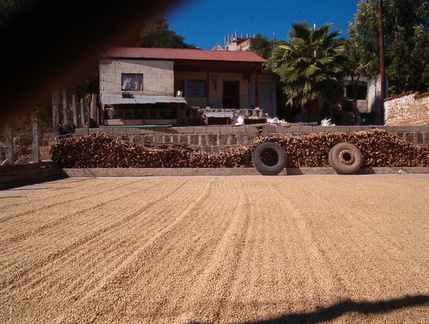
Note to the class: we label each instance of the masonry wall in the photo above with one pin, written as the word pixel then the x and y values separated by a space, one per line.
pixel 158 76
pixel 408 109
pixel 214 138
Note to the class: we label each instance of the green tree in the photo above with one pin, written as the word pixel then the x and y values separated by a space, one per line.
pixel 9 8
pixel 357 62
pixel 406 34
pixel 260 45
pixel 310 65
pixel 157 34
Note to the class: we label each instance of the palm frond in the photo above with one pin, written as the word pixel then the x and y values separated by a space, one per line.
pixel 310 64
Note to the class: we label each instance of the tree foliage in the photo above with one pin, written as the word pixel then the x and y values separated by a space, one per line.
pixel 406 34
pixel 9 8
pixel 310 64
pixel 260 45
pixel 157 34
pixel 357 62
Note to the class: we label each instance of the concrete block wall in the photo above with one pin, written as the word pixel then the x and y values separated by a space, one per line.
pixel 158 76
pixel 214 138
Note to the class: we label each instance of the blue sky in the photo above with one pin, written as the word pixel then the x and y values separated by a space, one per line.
pixel 206 22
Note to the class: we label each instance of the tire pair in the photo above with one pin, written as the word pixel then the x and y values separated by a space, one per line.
pixel 270 158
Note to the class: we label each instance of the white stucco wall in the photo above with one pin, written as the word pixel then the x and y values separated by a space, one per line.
pixel 158 76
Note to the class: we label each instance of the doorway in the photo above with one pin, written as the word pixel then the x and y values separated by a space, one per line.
pixel 231 94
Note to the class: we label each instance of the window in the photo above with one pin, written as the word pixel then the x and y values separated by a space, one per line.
pixel 197 88
pixel 131 82
pixel 361 95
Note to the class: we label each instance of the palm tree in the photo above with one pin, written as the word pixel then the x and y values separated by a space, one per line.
pixel 310 65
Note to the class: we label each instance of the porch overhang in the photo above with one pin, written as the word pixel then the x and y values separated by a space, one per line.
pixel 216 66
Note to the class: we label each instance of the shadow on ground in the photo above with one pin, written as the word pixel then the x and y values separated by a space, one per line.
pixel 347 306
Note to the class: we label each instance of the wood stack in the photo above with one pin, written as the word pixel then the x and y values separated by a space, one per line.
pixel 379 148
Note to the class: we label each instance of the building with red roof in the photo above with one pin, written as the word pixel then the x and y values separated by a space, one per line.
pixel 164 85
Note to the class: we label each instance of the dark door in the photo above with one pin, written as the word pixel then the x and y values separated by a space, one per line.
pixel 179 85
pixel 231 94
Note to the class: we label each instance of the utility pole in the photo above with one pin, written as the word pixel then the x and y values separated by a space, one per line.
pixel 382 70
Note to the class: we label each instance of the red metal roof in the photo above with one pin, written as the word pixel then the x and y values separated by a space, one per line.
pixel 183 54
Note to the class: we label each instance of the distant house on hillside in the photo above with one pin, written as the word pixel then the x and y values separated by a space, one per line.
pixel 141 86
pixel 217 47
pixel 237 42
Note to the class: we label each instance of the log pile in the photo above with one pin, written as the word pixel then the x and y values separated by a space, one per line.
pixel 379 148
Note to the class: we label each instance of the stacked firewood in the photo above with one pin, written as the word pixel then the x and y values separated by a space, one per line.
pixel 379 148
pixel 101 151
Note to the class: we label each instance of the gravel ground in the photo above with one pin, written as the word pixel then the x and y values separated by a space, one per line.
pixel 217 250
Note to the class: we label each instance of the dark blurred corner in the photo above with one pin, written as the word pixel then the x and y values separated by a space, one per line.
pixel 54 40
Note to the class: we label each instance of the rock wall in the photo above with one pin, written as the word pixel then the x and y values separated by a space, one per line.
pixel 407 109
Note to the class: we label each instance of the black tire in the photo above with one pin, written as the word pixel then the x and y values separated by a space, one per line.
pixel 345 158
pixel 269 158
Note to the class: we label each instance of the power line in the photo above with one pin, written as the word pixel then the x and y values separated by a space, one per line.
pixel 267 17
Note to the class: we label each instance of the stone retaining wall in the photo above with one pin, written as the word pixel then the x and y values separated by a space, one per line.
pixel 407 109
pixel 213 138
